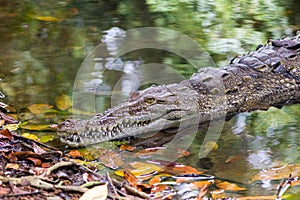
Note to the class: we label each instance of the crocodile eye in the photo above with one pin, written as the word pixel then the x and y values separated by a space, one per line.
pixel 150 100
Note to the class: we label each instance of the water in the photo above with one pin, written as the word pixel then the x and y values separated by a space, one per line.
pixel 44 47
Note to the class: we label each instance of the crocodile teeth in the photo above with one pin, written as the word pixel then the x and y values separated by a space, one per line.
pixel 110 128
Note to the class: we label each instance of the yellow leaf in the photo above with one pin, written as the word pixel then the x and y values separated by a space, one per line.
pixel 30 136
pixel 39 108
pixel 63 102
pixel 11 127
pixel 45 18
pixel 119 173
pixel 96 193
pixel 36 127
pixel 211 145
pixel 141 168
pixel 46 138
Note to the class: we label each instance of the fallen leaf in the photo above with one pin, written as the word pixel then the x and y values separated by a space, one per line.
pixel 75 154
pixel 2 122
pixel 155 180
pixel 47 138
pixel 211 145
pixel 183 153
pixel 35 161
pixel 36 127
pixel 45 18
pixel 218 194
pixel 111 159
pixel 131 179
pixel 127 147
pixel 143 169
pixel 181 169
pixel 63 102
pixel 96 193
pixel 39 108
pixel 30 136
pixel 11 127
pixel 159 188
pixel 277 173
pixel 12 166
pixel 229 186
pixel 233 158
pixel 201 184
pixel 37 149
pixel 5 134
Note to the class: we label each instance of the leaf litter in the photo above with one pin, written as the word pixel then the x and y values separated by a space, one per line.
pixel 34 170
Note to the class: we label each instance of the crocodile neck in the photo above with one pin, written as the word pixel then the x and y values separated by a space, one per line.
pixel 268 76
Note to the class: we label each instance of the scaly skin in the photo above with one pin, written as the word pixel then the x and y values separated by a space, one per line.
pixel 268 76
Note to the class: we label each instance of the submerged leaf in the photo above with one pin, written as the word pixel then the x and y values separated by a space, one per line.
pixel 47 138
pixel 36 127
pixel 229 186
pixel 278 173
pixel 39 108
pixel 63 102
pixel 30 136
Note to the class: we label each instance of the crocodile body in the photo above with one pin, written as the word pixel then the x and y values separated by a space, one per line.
pixel 268 76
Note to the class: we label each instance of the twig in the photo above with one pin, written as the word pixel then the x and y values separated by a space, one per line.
pixel 113 187
pixel 58 165
pixel 20 194
pixel 37 182
pixel 131 189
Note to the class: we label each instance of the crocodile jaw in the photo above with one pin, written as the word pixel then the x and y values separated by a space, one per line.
pixel 83 132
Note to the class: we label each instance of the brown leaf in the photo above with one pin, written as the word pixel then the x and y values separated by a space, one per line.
pixel 229 186
pixel 155 180
pixel 127 147
pixel 277 173
pixel 46 165
pixel 75 154
pixel 181 169
pixel 111 159
pixel 6 134
pixel 201 184
pixel 12 166
pixel 159 188
pixel 233 158
pixel 39 108
pixel 36 161
pixel 131 179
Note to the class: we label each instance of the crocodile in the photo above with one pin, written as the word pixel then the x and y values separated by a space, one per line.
pixel 268 76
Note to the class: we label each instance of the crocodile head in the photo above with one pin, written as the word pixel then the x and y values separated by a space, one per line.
pixel 146 111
